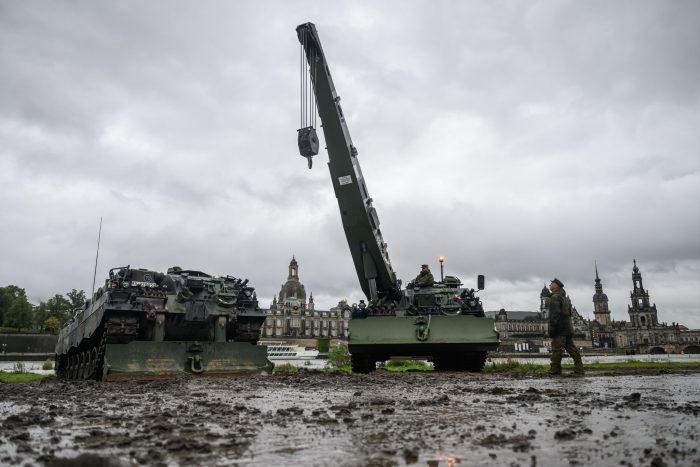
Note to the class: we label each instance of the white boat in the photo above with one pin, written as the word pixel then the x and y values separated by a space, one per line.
pixel 277 351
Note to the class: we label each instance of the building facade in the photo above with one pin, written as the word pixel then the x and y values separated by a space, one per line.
pixel 291 317
pixel 520 331
pixel 602 329
pixel 529 330
pixel 642 333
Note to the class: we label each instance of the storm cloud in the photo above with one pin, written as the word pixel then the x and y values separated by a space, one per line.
pixel 522 140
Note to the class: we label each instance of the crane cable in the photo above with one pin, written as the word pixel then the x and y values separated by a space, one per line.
pixel 303 83
pixel 308 114
pixel 312 94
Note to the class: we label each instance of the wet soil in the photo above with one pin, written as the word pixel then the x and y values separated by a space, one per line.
pixel 380 419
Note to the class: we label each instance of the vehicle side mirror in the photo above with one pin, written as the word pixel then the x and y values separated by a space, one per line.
pixel 480 282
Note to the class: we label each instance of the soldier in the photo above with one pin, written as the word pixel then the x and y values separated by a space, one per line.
pixel 424 278
pixel 561 330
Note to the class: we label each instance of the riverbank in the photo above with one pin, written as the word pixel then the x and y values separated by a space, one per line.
pixel 510 369
pixel 598 368
pixel 10 378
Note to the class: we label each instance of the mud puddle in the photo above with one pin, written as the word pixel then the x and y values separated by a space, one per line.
pixel 381 419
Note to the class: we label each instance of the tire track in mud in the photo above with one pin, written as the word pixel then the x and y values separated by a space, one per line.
pixel 340 419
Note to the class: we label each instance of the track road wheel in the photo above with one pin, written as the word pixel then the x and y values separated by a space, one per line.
pixel 82 368
pixel 92 353
pixel 362 363
pixel 59 366
pixel 71 366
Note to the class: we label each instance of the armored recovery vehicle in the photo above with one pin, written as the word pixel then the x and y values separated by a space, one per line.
pixel 147 324
pixel 443 322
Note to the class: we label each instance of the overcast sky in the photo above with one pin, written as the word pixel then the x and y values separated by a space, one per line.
pixel 521 140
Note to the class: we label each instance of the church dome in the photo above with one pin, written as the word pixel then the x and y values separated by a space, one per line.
pixel 293 288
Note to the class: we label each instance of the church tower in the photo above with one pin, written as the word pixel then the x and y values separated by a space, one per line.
pixel 544 303
pixel 293 270
pixel 600 302
pixel 641 313
pixel 292 288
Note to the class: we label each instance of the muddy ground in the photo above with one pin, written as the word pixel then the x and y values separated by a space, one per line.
pixel 379 419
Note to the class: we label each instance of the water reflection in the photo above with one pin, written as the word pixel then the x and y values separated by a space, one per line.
pixel 604 359
pixel 441 460
pixel 26 367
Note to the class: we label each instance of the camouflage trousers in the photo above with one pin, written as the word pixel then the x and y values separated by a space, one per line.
pixel 559 343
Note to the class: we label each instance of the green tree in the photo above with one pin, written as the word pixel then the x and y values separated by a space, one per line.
pixel 15 310
pixel 41 313
pixel 77 299
pixel 59 307
pixel 339 357
pixel 8 296
pixel 5 302
pixel 19 315
pixel 52 324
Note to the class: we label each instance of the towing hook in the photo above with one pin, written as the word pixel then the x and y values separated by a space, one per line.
pixel 196 364
pixel 422 333
pixel 422 328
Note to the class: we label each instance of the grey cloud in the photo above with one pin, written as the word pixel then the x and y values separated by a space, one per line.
pixel 520 140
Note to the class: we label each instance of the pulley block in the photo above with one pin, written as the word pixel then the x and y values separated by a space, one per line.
pixel 308 141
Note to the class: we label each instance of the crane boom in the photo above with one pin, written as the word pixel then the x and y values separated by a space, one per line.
pixel 359 217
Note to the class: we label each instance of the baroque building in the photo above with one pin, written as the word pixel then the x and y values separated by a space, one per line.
pixel 601 310
pixel 643 333
pixel 291 317
pixel 602 327
pixel 529 330
pixel 641 313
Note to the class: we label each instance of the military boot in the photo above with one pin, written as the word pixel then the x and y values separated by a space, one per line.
pixel 555 362
pixel 578 368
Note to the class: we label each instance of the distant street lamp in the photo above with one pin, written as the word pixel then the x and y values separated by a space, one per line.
pixel 442 260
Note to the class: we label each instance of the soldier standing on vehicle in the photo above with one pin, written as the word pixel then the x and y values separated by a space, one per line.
pixel 425 277
pixel 561 330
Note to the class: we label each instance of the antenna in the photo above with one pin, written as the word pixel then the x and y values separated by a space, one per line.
pixel 97 255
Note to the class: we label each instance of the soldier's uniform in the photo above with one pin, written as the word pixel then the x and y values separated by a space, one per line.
pixel 425 277
pixel 561 330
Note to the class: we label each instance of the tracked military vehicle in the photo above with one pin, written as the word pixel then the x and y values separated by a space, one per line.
pixel 442 322
pixel 145 323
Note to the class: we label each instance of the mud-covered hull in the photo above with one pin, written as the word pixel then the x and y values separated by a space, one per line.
pixel 139 359
pixel 451 342
pixel 147 324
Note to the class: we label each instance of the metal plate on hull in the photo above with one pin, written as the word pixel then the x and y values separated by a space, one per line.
pixel 155 359
pixel 403 336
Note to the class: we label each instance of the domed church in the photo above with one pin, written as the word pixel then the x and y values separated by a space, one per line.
pixel 291 316
pixel 293 288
